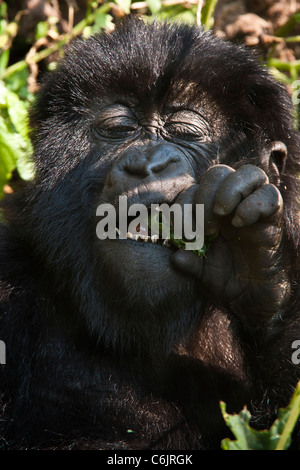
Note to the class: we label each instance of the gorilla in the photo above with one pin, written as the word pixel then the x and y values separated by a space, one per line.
pixel 129 344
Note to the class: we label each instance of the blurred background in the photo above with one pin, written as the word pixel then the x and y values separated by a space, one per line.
pixel 33 34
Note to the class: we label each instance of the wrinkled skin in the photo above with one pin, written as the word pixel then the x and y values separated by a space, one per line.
pixel 242 268
pixel 106 336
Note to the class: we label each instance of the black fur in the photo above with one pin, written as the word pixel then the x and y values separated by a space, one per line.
pixel 99 346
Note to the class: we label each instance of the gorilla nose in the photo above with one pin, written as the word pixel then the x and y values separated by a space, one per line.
pixel 149 166
pixel 161 160
pixel 141 166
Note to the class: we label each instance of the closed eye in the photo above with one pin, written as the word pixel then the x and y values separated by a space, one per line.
pixel 184 131
pixel 116 131
pixel 116 122
pixel 187 125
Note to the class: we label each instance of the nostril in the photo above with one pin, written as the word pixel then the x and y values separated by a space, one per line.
pixel 137 167
pixel 158 167
pixel 143 172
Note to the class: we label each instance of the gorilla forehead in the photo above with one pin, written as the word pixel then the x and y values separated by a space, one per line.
pixel 148 60
pixel 155 64
pixel 133 58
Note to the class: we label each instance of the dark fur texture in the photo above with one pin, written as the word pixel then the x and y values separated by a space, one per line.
pixel 99 348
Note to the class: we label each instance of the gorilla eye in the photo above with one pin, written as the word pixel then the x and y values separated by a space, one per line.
pixel 184 131
pixel 186 125
pixel 116 131
pixel 116 122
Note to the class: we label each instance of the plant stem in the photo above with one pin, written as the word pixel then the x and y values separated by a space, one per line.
pixel 292 39
pixel 207 13
pixel 279 64
pixel 290 424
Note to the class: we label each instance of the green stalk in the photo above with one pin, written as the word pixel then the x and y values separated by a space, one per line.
pixel 207 13
pixel 292 39
pixel 287 66
pixel 291 422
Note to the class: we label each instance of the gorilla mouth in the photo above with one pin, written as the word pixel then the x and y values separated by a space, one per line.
pixel 160 224
pixel 158 229
pixel 142 236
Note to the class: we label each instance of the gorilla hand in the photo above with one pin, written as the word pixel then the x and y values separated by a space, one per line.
pixel 243 268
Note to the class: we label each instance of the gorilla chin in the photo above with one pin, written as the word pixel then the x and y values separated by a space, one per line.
pixel 144 268
pixel 150 296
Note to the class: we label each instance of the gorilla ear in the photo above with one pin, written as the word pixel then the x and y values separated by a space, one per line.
pixel 278 153
pixel 274 160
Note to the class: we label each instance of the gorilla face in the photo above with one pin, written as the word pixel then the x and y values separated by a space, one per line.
pixel 144 122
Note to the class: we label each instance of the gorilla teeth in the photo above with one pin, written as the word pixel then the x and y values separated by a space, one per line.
pixel 146 238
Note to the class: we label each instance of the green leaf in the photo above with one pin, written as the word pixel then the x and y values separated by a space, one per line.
pixel 15 144
pixel 187 17
pixel 278 437
pixel 297 17
pixel 25 166
pixel 17 82
pixel 16 110
pixel 8 153
pixel 102 21
pixel 125 5
pixel 287 419
pixel 41 29
pixel 154 6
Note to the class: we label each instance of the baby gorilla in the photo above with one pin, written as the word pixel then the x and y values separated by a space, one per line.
pixel 106 336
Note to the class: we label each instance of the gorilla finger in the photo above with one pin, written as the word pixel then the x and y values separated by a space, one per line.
pixel 236 187
pixel 218 266
pixel 206 193
pixel 264 203
pixel 187 196
pixel 188 262
pixel 186 200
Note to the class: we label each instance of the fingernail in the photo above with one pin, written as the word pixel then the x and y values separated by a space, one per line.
pixel 237 221
pixel 219 209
